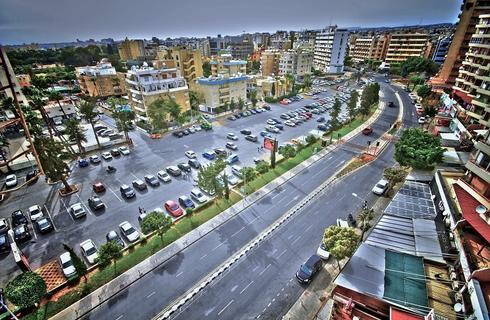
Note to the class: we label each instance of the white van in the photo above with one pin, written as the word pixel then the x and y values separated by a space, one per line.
pixel 342 223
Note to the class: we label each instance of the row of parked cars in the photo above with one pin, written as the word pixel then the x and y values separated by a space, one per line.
pixel 290 100
pixel 249 112
pixel 107 156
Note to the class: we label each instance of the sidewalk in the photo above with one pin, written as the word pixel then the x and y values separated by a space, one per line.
pixel 89 302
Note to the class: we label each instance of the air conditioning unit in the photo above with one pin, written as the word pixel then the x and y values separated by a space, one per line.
pixel 455 285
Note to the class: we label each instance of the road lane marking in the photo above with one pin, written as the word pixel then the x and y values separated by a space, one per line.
pixel 238 231
pixel 274 251
pixel 278 194
pixel 204 256
pixel 261 272
pixel 295 240
pixel 122 315
pixel 219 245
pixel 134 176
pixel 150 295
pixel 221 311
pixel 340 163
pixel 233 288
pixel 114 194
pixel 255 268
pixel 280 255
pixel 292 200
pixel 290 236
pixel 253 220
pixel 179 274
pixel 309 227
pixel 246 287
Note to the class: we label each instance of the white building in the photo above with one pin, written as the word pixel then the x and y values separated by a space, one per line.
pixel 103 68
pixel 330 50
pixel 296 62
pixel 219 91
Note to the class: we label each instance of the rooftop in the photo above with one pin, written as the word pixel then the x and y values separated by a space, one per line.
pixel 211 81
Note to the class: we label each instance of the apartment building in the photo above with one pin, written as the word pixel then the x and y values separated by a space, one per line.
pixel 441 48
pixel 225 64
pixel 269 62
pixel 280 40
pixel 369 47
pixel 296 62
pixel 405 45
pixel 241 47
pixel 204 48
pixel 468 18
pixel 219 91
pixel 330 50
pixel 131 49
pixel 147 84
pixel 101 80
pixel 216 45
pixel 189 62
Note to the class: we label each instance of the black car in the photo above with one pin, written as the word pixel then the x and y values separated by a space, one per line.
pixel 246 132
pixel 252 111
pixel 139 184
pixel 21 233
pixel 127 191
pixel 173 171
pixel 4 242
pixel 18 218
pixel 266 107
pixel 95 203
pixel 220 152
pixel 152 180
pixel 194 163
pixel 44 225
pixel 277 120
pixel 115 152
pixel 391 104
pixel 113 236
pixel 238 115
pixel 184 167
pixel 321 119
pixel 279 126
pixel 251 138
pixel 308 270
pixel 32 175
pixel 186 132
pixel 322 127
pixel 178 134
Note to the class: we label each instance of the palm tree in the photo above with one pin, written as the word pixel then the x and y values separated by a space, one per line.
pixel 307 82
pixel 124 119
pixel 87 109
pixel 75 133
pixel 290 79
pixel 37 103
pixel 52 156
pixel 364 219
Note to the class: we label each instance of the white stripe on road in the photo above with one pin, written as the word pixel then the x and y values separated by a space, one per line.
pixel 309 227
pixel 219 245
pixel 296 240
pixel 204 256
pixel 279 193
pixel 280 255
pixel 134 175
pixel 150 295
pixel 340 163
pixel 225 307
pixel 179 274
pixel 253 220
pixel 50 218
pixel 114 194
pixel 238 231
pixel 246 287
pixel 262 272
pixel 118 318
pixel 294 199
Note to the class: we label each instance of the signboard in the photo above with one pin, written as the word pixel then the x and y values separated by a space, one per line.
pixel 270 144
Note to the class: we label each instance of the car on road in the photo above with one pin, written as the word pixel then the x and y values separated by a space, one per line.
pixel 184 167
pixel 322 252
pixel 98 187
pixel 162 175
pixel 232 136
pixel 173 171
pixel 11 181
pixel 95 203
pixel 279 126
pixel 231 145
pixel 232 159
pixel 246 132
pixel 391 104
pixel 194 163
pixel 266 107
pixel 198 196
pixel 128 231
pixel 77 210
pixel 106 156
pixel 320 119
pixel 185 202
pixel 124 150
pixel 178 134
pixel 252 138
pixel 44 225
pixel 89 251
pixel 113 236
pixel 322 127
pixel 139 184
pixel 265 134
pixel 209 154
pixel 380 187
pixel 35 212
pixel 115 152
pixel 82 163
pixel 221 152
pixel 22 233
pixel 32 176
pixel 152 180
pixel 127 191
pixel 94 159
pixel 66 265
pixel 367 131
pixel 18 218
pixel 4 242
pixel 308 270
pixel 232 118
pixel 173 208
pixel 190 154
pixel 421 120
pixel 196 128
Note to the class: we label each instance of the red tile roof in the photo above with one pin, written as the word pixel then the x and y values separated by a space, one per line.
pixel 468 205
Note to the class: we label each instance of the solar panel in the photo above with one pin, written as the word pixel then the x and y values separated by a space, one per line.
pixel 413 200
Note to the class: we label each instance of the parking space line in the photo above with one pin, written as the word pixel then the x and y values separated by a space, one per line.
pixel 246 287
pixel 66 209
pixel 83 205
pixel 50 218
pixel 234 234
pixel 110 189
pixel 150 295
pixel 295 240
pixel 134 175
pixel 281 253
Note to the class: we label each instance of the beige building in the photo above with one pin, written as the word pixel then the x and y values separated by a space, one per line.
pixel 101 80
pixel 273 87
pixel 405 45
pixel 269 62
pixel 296 62
pixel 131 49
pixel 219 91
pixel 188 62
pixel 372 47
pixel 147 84
pixel 225 65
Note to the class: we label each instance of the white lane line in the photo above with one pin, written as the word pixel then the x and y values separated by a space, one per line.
pixel 238 231
pixel 252 221
pixel 290 236
pixel 309 227
pixel 265 269
pixel 274 251
pixel 114 194
pixel 278 194
pixel 296 240
pixel 122 315
pixel 179 274
pixel 269 304
pixel 150 295
pixel 221 311
pixel 50 218
pixel 292 200
pixel 219 245
pixel 280 255
pixel 204 256
pixel 329 158
pixel 234 288
pixel 340 163
pixel 246 287
pixel 255 268
pixel 134 175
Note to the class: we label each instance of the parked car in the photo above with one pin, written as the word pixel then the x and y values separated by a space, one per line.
pixel 322 127
pixel 321 119
pixel 11 181
pixel 127 191
pixel 198 196
pixel 162 175
pixel 190 154
pixel 233 180
pixel 98 187
pixel 270 122
pixel 77 210
pixel 124 150
pixel 236 170
pixel 94 159
pixel 231 136
pixel 231 145
pixel 289 123
pixel 185 202
pixel 173 171
pixel 421 120
pixel 22 233
pixel 173 208
pixel 44 225
pixel 89 251
pixel 4 225
pixel 194 163
pixel 4 242
pixel 184 167
pixel 35 212
pixel 380 187
pixel 178 134
pixel 308 270
pixel 246 132
pixel 209 154
pixel 152 180
pixel 115 152
pixel 32 176
pixel 95 203
pixel 66 265
pixel 107 156
pixel 232 159
pixel 251 138
pixel 128 231
pixel 139 184
pixel 18 218
pixel 322 252
pixel 82 163
pixel 113 236
pixel 220 152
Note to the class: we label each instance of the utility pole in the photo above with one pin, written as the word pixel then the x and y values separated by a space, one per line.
pixel 273 153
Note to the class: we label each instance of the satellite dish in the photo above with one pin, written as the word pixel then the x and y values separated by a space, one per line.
pixel 481 209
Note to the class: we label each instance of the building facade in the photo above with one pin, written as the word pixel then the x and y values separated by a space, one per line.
pixel 330 50
pixel 296 62
pixel 372 47
pixel 219 91
pixel 189 62
pixel 405 45
pixel 147 84
pixel 225 64
pixel 269 62
pixel 441 47
pixel 131 49
pixel 101 80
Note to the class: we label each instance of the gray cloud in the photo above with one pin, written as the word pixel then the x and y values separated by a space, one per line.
pixel 25 21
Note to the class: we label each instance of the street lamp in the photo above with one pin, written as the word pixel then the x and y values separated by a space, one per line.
pixel 365 203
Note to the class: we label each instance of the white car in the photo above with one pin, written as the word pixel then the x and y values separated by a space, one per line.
pixel 198 196
pixel 421 120
pixel 190 154
pixel 232 179
pixel 232 136
pixel 106 156
pixel 164 176
pixel 124 150
pixel 271 122
pixel 322 252
pixel 89 251
pixel 289 123
pixel 196 127
pixel 67 265
pixel 380 187
pixel 11 180
pixel 129 231
pixel 77 210
pixel 35 212
pixel 94 159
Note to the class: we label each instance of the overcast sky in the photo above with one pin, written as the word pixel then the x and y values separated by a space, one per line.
pixel 25 21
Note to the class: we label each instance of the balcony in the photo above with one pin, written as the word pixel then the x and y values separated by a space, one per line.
pixel 483 147
pixel 479 171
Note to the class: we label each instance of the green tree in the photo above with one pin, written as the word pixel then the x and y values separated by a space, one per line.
pixel 334 114
pixel 418 64
pixel 253 98
pixel 394 175
pixel 124 121
pixel 157 112
pixel 287 151
pixel 173 108
pixel 56 96
pixel 26 289
pixel 156 221
pixel 352 104
pixel 232 105
pixel 248 174
pixel 208 178
pixel 415 81
pixel 340 242
pixel 424 91
pixel 75 133
pixel 52 156
pixel 292 81
pixel 206 69
pixel 241 104
pixel 78 264
pixel 38 104
pixel 307 82
pixel 194 100
pixel 226 187
pixel 262 167
pixel 364 220
pixel 89 114
pixel 109 252
pixel 418 149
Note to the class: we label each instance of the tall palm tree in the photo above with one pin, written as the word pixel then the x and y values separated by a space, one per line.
pixel 75 133
pixel 87 109
pixel 52 156
pixel 123 121
pixel 290 79
pixel 364 220
pixel 37 103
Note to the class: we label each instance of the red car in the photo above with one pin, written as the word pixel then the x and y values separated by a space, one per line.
pixel 173 208
pixel 98 187
pixel 367 131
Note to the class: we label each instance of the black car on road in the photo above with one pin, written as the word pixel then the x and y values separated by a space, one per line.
pixel 18 218
pixel 246 132
pixel 184 167
pixel 194 163
pixel 308 270
pixel 44 225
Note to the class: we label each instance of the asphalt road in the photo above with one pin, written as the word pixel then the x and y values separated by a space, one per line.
pixel 148 156
pixel 156 290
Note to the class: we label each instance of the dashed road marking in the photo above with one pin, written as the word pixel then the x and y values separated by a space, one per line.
pixel 227 305
pixel 309 227
pixel 122 315
pixel 295 240
pixel 204 256
pixel 179 274
pixel 265 269
pixel 280 255
pixel 234 234
pixel 246 287
pixel 234 288
pixel 219 245
pixel 150 295
pixel 340 163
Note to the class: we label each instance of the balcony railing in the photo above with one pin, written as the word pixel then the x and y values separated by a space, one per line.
pixel 478 170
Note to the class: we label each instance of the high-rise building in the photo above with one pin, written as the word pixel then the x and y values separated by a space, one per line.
pixel 216 45
pixel 269 62
pixel 147 84
pixel 205 48
pixel 330 50
pixel 468 18
pixel 224 64
pixel 405 45
pixel 241 47
pixel 441 47
pixel 188 62
pixel 296 62
pixel 371 47
pixel 131 49
pixel 280 40
pixel 101 80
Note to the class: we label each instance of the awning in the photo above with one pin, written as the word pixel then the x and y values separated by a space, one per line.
pixel 463 96
pixel 468 205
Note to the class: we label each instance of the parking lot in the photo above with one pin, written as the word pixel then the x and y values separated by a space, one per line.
pixel 147 156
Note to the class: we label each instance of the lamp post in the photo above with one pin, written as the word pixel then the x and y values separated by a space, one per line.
pixel 364 202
